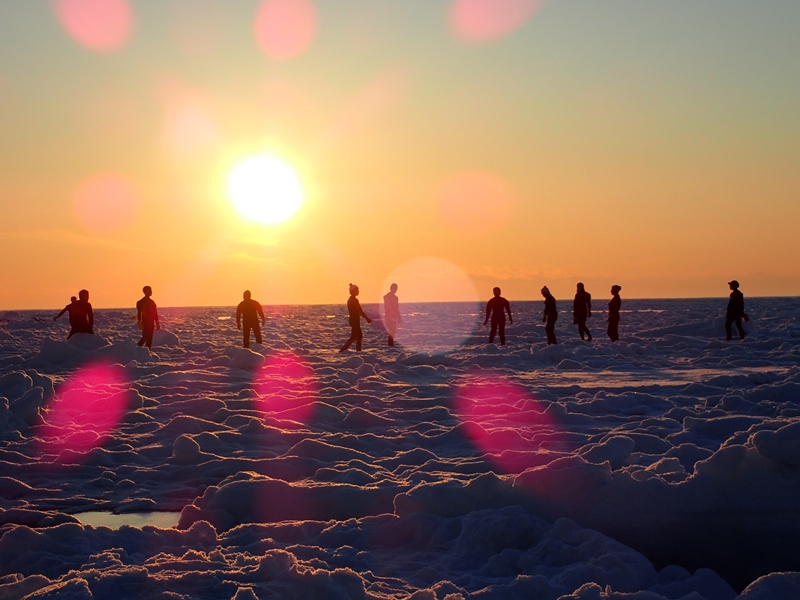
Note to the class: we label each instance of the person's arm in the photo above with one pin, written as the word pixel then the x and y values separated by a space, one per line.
pixel 91 316
pixel 260 310
pixel 488 310
pixel 139 312
pixel 239 316
pixel 588 305
pixel 362 313
pixel 61 314
pixel 508 310
pixel 155 314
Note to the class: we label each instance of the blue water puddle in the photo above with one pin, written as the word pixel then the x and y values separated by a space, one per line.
pixel 102 518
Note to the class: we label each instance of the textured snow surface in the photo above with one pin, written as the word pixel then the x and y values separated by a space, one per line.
pixel 664 466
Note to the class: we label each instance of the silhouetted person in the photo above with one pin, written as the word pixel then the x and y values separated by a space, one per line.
pixel 582 310
pixel 68 309
pixel 249 311
pixel 613 313
pixel 355 313
pixel 550 316
pixel 735 312
pixel 391 312
pixel 147 317
pixel 497 308
pixel 81 315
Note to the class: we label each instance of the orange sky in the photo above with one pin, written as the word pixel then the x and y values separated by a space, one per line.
pixel 515 143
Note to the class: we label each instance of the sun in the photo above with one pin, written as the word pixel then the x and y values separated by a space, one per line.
pixel 264 188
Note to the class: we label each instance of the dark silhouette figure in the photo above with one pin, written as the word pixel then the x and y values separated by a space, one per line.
pixel 81 315
pixel 68 309
pixel 550 316
pixel 613 313
pixel 147 317
pixel 355 313
pixel 249 311
pixel 497 308
pixel 735 312
pixel 582 310
pixel 391 312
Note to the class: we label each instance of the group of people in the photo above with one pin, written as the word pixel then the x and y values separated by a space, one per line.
pixel 81 316
pixel 249 312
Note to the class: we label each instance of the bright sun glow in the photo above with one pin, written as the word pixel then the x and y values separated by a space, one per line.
pixel 265 189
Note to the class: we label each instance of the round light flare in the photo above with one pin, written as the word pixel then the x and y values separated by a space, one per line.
pixel 88 407
pixel 265 189
pixel 105 202
pixel 99 25
pixel 505 422
pixel 481 21
pixel 286 390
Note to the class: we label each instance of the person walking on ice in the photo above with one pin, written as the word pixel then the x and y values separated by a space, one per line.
pixel 147 317
pixel 249 311
pixel 355 313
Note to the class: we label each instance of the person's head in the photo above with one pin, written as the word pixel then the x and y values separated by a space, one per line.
pixel 147 290
pixel 496 291
pixel 545 291
pixel 246 294
pixel 73 298
pixel 734 285
pixel 353 290
pixel 393 288
pixel 616 289
pixel 83 295
pixel 580 287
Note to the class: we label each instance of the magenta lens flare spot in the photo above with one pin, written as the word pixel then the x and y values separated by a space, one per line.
pixel 479 21
pixel 86 410
pixel 105 202
pixel 285 28
pixel 476 203
pixel 99 25
pixel 504 421
pixel 286 390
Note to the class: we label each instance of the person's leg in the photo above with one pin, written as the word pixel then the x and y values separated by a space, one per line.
pixel 359 337
pixel 246 334
pixel 501 330
pixel 391 327
pixel 350 340
pixel 257 331
pixel 728 323
pixel 493 332
pixel 147 334
pixel 739 327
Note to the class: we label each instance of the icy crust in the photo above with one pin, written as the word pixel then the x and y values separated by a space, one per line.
pixel 485 554
pixel 350 476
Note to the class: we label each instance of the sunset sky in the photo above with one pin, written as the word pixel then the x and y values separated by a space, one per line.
pixel 448 145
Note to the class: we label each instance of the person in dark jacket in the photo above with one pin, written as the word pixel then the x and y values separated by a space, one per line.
pixel 496 308
pixel 735 312
pixel 582 310
pixel 391 312
pixel 550 316
pixel 613 313
pixel 68 309
pixel 147 317
pixel 355 313
pixel 248 313
pixel 81 315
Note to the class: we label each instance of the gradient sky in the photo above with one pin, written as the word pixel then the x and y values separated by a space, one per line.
pixel 450 145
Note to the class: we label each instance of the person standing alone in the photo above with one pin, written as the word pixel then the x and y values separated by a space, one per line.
pixel 249 311
pixel 582 310
pixel 147 317
pixel 735 312
pixel 354 312
pixel 391 312
pixel 550 316
pixel 613 313
pixel 497 308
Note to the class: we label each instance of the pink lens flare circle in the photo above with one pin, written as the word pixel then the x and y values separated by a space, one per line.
pixel 504 421
pixel 479 21
pixel 285 28
pixel 105 202
pixel 99 25
pixel 286 389
pixel 476 202
pixel 86 410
